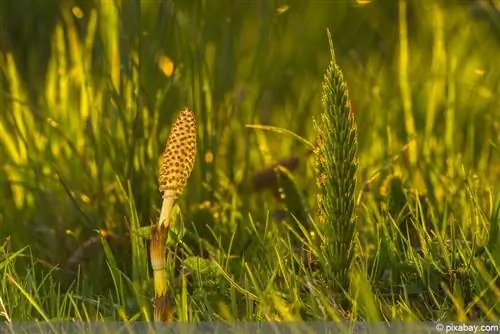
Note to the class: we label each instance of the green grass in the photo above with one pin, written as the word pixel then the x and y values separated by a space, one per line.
pixel 85 109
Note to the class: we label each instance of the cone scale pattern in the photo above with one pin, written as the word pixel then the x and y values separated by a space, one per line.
pixel 179 155
pixel 177 161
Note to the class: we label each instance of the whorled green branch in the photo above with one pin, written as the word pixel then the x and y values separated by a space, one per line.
pixel 336 167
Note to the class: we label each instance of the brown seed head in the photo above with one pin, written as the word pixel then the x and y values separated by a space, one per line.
pixel 179 155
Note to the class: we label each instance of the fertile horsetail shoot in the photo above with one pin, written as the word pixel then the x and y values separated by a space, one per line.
pixel 176 166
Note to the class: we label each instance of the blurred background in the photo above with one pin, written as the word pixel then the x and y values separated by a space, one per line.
pixel 88 90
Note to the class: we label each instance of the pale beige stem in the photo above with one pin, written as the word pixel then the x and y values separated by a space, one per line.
pixel 169 198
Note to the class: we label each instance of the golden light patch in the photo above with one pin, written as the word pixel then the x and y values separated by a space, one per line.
pixel 78 12
pixel 52 123
pixel 85 198
pixel 480 72
pixel 282 9
pixel 209 157
pixel 363 2
pixel 166 65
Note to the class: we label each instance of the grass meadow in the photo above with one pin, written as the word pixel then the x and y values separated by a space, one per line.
pixel 89 91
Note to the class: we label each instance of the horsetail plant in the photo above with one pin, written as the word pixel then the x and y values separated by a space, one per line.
pixel 336 166
pixel 176 166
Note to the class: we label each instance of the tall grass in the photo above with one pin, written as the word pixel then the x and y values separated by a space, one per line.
pixel 88 97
